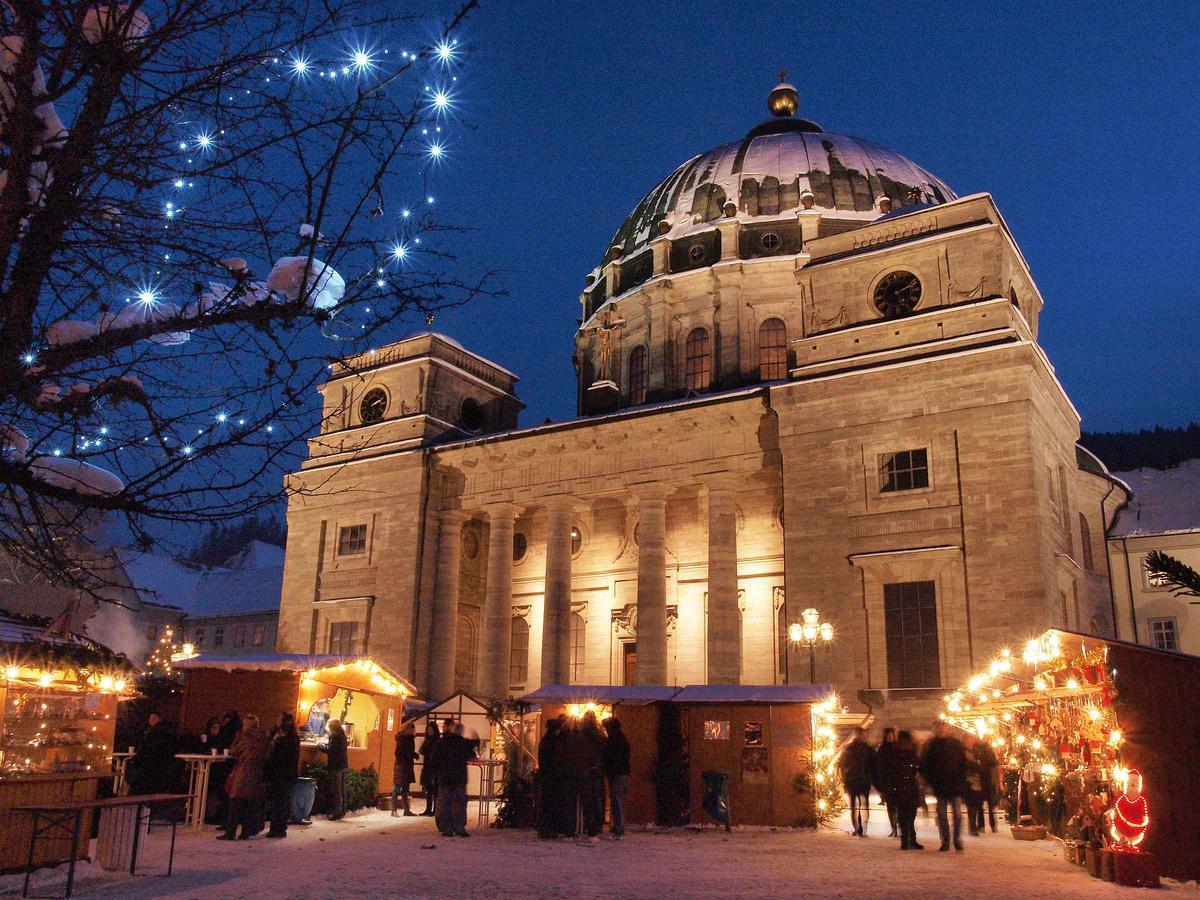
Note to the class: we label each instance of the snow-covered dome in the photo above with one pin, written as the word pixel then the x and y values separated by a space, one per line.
pixel 782 165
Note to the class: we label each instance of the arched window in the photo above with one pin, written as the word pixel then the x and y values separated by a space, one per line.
pixel 1085 540
pixel 772 350
pixel 637 376
pixel 578 637
pixel 464 664
pixel 518 660
pixel 698 371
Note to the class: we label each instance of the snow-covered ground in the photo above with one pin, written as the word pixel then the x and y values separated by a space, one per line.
pixel 375 855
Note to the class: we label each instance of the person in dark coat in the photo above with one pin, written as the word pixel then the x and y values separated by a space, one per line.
pixel 615 761
pixel 906 789
pixel 884 774
pixel 989 770
pixel 585 755
pixel 404 774
pixel 855 764
pixel 429 783
pixel 450 762
pixel 154 768
pixel 944 765
pixel 246 791
pixel 550 781
pixel 337 761
pixel 280 774
pixel 227 732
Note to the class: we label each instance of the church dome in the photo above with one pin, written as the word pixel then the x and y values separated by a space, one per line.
pixel 781 166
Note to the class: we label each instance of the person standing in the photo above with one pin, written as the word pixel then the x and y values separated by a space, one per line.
pixel 450 761
pixel 589 767
pixel 153 768
pixel 989 770
pixel 280 773
pixel 246 781
pixel 883 773
pixel 973 795
pixel 906 789
pixel 429 783
pixel 944 765
pixel 855 765
pixel 337 762
pixel 404 774
pixel 616 772
pixel 550 782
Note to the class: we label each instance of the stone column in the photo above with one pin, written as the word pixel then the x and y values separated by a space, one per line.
pixel 556 606
pixel 443 632
pixel 497 603
pixel 652 584
pixel 724 616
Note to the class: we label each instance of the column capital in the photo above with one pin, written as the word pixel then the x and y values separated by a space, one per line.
pixel 453 516
pixel 560 502
pixel 651 491
pixel 501 510
pixel 723 483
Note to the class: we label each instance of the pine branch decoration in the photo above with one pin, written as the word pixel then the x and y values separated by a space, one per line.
pixel 1183 580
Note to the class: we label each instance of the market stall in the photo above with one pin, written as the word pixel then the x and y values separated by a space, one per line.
pixel 772 747
pixel 1100 741
pixel 366 695
pixel 458 707
pixel 58 696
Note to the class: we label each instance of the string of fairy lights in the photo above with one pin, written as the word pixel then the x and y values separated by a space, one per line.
pixel 352 66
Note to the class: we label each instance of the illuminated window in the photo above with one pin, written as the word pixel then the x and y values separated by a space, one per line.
pixel 518 660
pixel 343 638
pixel 910 626
pixel 905 470
pixel 578 637
pixel 772 350
pixel 1163 634
pixel 698 357
pixel 352 540
pixel 637 376
pixel 259 636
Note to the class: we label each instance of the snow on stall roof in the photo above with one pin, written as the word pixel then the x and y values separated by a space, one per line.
pixel 753 693
pixel 1163 500
pixel 630 694
pixel 267 662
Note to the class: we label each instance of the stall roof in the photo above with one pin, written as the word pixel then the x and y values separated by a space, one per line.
pixel 753 693
pixel 283 662
pixel 629 694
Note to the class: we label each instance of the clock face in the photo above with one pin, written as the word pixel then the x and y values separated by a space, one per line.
pixel 373 406
pixel 897 294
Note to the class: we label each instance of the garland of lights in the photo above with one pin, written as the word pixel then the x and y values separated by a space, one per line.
pixel 827 787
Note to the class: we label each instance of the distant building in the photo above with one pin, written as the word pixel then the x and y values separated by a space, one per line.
pixel 1163 515
pixel 230 609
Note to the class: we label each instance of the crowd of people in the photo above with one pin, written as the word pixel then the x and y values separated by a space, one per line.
pixel 444 757
pixel 579 764
pixel 954 771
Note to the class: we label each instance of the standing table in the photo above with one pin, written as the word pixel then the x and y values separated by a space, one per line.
pixel 68 815
pixel 199 766
pixel 489 779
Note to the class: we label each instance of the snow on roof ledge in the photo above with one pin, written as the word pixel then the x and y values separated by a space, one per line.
pixel 283 662
pixel 637 695
pixel 631 694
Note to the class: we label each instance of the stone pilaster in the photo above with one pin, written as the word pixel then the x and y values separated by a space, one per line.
pixel 497 602
pixel 724 617
pixel 443 643
pixel 652 584
pixel 556 611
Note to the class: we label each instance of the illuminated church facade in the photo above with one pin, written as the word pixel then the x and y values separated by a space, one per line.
pixel 809 378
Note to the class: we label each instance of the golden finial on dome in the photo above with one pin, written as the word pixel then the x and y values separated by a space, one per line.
pixel 784 99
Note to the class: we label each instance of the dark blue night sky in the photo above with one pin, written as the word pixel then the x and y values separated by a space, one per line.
pixel 1081 120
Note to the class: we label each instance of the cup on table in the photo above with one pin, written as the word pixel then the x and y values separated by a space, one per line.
pixel 214 751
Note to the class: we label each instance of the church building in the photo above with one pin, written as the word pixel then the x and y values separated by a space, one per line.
pixel 809 378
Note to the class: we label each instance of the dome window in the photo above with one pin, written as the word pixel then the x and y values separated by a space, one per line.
pixel 374 404
pixel 772 350
pixel 698 361
pixel 470 414
pixel 897 294
pixel 637 375
pixel 770 242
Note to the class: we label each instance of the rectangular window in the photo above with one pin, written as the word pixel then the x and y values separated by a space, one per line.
pixel 352 540
pixel 518 663
pixel 239 636
pixel 904 470
pixel 910 623
pixel 152 632
pixel 1085 543
pixel 343 638
pixel 578 639
pixel 199 639
pixel 219 636
pixel 1163 634
pixel 258 635
pixel 716 730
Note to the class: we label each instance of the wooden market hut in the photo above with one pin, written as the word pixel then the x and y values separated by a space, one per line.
pixel 366 695
pixel 761 736
pixel 58 711
pixel 1098 707
pixel 458 707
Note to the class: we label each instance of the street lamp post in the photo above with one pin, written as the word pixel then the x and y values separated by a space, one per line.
pixel 807 634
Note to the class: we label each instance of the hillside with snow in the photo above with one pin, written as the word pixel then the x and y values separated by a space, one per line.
pixel 1163 499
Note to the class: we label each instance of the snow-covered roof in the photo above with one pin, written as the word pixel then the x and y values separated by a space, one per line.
pixel 753 693
pixel 250 582
pixel 1163 500
pixel 268 662
pixel 630 694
